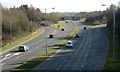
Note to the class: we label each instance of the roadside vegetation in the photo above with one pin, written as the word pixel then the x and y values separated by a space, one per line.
pixel 60 23
pixel 106 17
pixel 27 66
pixel 110 65
pixel 24 21
pixel 19 41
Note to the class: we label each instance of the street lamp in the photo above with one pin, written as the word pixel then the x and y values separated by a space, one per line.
pixel 113 31
pixel 10 27
pixel 46 25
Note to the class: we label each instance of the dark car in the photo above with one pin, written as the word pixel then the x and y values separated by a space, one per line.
pixel 84 28
pixel 62 29
pixel 77 35
pixel 51 36
pixel 66 21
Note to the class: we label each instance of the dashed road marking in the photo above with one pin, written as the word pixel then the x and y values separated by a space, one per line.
pixel 82 66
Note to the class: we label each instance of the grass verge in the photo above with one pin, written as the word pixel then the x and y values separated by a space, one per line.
pixel 109 65
pixel 27 66
pixel 8 46
pixel 60 23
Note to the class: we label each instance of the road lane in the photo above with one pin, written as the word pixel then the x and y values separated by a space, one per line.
pixel 88 53
pixel 37 45
pixel 98 51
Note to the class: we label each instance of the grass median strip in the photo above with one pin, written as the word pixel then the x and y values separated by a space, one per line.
pixel 109 65
pixel 8 46
pixel 27 66
pixel 60 23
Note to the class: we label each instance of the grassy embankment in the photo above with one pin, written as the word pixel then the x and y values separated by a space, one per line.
pixel 27 66
pixel 60 23
pixel 109 65
pixel 88 25
pixel 17 42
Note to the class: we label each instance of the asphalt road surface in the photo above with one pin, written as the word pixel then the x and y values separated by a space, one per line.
pixel 13 58
pixel 88 53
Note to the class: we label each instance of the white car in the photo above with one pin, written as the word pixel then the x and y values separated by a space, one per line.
pixel 69 44
pixel 23 48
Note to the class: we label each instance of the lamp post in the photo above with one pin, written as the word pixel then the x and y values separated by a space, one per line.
pixel 46 26
pixel 113 31
pixel 10 28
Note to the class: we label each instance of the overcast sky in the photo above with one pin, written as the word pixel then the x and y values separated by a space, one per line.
pixel 62 5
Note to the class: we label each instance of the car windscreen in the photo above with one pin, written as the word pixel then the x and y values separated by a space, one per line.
pixel 77 34
pixel 21 47
pixel 69 43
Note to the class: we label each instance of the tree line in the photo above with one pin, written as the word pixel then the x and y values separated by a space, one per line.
pixel 24 20
pixel 103 17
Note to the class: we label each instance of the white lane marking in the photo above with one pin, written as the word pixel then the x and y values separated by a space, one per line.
pixel 5 57
pixel 16 54
pixel 2 64
pixel 82 66
pixel 59 67
pixel 9 56
pixel 65 60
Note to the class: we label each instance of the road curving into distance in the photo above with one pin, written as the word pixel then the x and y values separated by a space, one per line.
pixel 88 53
pixel 13 58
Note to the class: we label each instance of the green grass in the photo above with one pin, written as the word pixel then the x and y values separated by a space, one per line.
pixel 109 65
pixel 27 66
pixel 81 20
pixel 60 23
pixel 89 26
pixel 8 46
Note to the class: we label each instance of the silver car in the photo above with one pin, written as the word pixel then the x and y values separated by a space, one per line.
pixel 69 44
pixel 23 48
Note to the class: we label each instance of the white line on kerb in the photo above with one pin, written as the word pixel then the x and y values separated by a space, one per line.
pixel 2 64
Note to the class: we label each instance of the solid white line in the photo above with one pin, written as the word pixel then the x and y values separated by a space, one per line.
pixel 7 55
pixel 82 66
pixel 16 54
pixel 22 43
pixel 2 64
pixel 82 41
